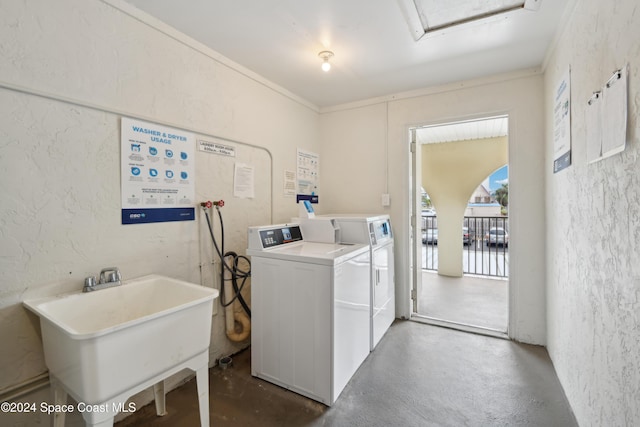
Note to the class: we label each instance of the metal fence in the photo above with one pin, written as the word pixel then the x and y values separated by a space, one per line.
pixel 485 245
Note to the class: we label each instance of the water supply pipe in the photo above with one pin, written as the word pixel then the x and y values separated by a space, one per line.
pixel 230 289
pixel 233 316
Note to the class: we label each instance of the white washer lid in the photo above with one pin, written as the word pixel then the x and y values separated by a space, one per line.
pixel 356 217
pixel 313 252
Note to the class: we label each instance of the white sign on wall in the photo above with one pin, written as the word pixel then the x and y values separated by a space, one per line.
pixel 308 175
pixel 217 147
pixel 607 118
pixel 562 123
pixel 243 181
pixel 614 113
pixel 157 173
pixel 289 183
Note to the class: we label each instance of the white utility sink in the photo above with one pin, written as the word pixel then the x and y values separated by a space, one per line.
pixel 103 347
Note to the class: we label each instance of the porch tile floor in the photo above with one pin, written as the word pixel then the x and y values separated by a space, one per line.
pixel 469 300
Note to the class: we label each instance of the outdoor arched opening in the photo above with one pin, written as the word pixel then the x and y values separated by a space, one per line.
pixel 451 172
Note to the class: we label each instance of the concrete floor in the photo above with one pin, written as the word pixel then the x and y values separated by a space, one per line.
pixel 419 375
pixel 469 300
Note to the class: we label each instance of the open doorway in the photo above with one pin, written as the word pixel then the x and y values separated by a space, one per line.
pixel 461 224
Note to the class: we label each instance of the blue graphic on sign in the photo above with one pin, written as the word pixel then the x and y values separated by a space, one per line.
pixel 153 172
pixel 183 155
pixel 311 198
pixel 153 151
pixel 135 148
pixel 169 174
pixel 169 153
pixel 138 216
pixel 135 171
pixel 184 175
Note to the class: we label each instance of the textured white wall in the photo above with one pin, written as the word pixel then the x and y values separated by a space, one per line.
pixel 354 137
pixel 593 226
pixel 60 156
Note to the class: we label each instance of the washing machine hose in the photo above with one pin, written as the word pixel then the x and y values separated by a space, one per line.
pixel 237 274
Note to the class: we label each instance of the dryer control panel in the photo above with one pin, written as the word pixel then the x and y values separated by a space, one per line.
pixel 274 235
pixel 380 231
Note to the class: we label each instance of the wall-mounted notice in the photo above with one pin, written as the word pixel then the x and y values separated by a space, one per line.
pixel 562 123
pixel 217 147
pixel 243 181
pixel 614 113
pixel 606 118
pixel 157 173
pixel 289 180
pixel 593 123
pixel 308 175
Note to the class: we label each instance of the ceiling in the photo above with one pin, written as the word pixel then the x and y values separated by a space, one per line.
pixel 381 47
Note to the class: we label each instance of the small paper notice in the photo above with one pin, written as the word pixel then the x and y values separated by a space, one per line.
pixel 289 183
pixel 243 181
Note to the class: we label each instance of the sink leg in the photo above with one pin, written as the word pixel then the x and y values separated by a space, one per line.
pixel 159 396
pixel 59 399
pixel 105 423
pixel 202 379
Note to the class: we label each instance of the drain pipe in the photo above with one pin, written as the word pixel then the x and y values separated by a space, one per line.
pixel 233 316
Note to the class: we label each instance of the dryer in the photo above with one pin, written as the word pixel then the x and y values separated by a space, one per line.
pixel 374 231
pixel 310 306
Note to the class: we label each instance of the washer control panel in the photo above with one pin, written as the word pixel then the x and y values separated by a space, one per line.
pixel 272 236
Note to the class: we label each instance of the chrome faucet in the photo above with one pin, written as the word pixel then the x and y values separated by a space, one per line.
pixel 108 278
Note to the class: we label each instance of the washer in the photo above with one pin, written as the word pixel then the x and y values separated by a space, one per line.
pixel 375 231
pixel 310 305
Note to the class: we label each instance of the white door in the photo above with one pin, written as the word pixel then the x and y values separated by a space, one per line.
pixel 416 220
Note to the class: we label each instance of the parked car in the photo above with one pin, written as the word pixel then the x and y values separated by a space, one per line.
pixel 468 237
pixel 497 236
pixel 430 235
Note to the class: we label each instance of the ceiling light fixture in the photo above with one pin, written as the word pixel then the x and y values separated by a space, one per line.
pixel 325 55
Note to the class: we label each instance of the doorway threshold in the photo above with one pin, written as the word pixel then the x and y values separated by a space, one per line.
pixel 479 330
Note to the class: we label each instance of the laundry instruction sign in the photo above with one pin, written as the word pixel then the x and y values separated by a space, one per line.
pixel 157 173
pixel 562 124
